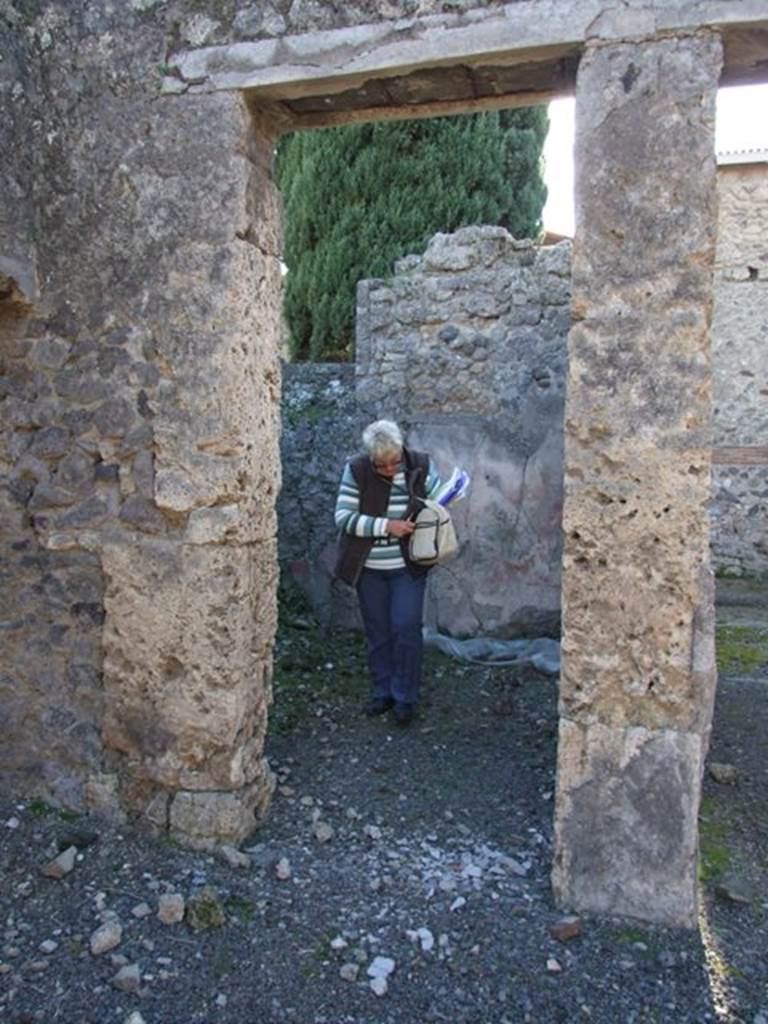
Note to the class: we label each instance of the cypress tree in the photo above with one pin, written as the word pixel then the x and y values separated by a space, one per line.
pixel 359 197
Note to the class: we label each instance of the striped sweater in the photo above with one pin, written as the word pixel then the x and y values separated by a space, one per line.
pixel 385 553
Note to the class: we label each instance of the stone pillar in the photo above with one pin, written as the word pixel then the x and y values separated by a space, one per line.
pixel 638 671
pixel 191 589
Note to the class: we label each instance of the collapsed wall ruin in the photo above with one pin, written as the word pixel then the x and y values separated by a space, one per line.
pixel 466 348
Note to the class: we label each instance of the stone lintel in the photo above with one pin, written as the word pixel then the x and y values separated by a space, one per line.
pixel 334 60
pixel 411 111
pixel 626 834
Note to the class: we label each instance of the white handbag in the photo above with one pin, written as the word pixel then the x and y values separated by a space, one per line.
pixel 434 538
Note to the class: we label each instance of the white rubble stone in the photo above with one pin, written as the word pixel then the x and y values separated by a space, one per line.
pixel 61 865
pixel 283 869
pixel 349 972
pixel 514 866
pixel 381 967
pixel 379 986
pixel 322 831
pixel 49 946
pixel 141 910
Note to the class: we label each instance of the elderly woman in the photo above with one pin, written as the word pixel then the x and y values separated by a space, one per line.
pixel 378 495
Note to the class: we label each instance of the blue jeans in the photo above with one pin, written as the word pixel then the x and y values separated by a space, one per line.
pixel 392 604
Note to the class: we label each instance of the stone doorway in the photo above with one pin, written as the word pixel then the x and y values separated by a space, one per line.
pixel 636 691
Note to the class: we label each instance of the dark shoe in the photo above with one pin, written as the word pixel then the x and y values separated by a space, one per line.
pixel 404 713
pixel 378 705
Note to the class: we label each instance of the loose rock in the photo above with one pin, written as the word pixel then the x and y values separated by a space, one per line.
pixel 234 857
pixel 61 865
pixel 106 937
pixel 379 986
pixel 170 908
pixel 381 967
pixel 283 869
pixel 128 979
pixel 566 928
pixel 322 831
pixel 725 774
pixel 349 972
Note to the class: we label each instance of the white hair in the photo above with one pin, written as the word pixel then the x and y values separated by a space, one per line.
pixel 382 438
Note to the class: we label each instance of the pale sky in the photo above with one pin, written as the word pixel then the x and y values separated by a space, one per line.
pixel 742 123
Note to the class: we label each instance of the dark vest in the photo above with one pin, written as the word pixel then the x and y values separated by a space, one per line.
pixel 374 500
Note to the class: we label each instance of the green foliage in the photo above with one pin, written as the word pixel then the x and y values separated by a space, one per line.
pixel 313 667
pixel 240 907
pixel 40 809
pixel 359 197
pixel 741 650
pixel 714 853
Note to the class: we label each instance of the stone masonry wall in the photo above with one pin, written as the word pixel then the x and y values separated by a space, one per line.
pixel 739 332
pixel 140 417
pixel 322 423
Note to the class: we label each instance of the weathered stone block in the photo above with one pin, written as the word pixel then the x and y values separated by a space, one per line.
pixel 213 525
pixel 626 821
pixel 49 443
pixel 206 820
pixel 142 514
pixel 191 713
pixel 206 428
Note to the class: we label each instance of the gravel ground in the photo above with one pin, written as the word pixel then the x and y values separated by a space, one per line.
pixel 429 847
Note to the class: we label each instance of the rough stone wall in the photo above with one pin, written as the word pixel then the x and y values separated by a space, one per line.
pixel 321 425
pixel 51 602
pixel 139 453
pixel 465 346
pixel 739 332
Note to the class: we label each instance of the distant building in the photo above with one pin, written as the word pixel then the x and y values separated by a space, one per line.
pixel 740 353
